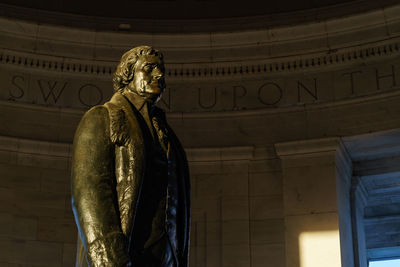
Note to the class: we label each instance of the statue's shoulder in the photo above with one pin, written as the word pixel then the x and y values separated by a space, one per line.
pixel 110 118
pixel 95 116
pixel 114 104
pixel 94 125
pixel 119 125
pixel 117 106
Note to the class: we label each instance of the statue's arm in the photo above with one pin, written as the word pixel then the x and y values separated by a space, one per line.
pixel 94 200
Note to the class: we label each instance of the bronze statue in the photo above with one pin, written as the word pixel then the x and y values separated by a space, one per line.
pixel 130 179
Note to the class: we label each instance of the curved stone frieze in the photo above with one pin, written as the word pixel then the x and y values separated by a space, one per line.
pixel 216 70
pixel 320 62
pixel 245 92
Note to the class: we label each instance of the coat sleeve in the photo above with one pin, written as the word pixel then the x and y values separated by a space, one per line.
pixel 94 200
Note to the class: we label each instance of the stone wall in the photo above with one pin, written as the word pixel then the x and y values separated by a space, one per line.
pixel 37 225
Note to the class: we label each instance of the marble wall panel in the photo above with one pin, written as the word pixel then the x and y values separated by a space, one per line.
pixel 34 203
pixel 20 177
pixel 265 183
pixel 273 254
pixel 230 209
pixel 69 251
pixel 266 207
pixel 60 229
pixel 305 186
pixel 235 232
pixel 12 252
pixel 24 227
pixel 269 231
pixel 236 255
pixel 43 253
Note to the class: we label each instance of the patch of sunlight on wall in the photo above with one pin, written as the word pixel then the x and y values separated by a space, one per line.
pixel 319 248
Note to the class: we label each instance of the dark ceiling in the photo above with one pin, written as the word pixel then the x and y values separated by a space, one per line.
pixel 173 9
pixel 182 15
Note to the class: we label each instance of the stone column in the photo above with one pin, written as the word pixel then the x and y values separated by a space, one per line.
pixel 316 194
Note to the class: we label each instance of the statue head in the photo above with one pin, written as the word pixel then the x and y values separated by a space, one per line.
pixel 142 72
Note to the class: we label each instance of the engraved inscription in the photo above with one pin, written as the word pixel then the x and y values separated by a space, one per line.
pixel 17 91
pixel 49 88
pixel 236 94
pixel 312 93
pixel 273 97
pixel 206 95
pixel 90 95
pixel 213 102
pixel 351 75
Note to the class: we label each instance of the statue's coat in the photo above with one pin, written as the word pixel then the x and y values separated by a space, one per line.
pixel 108 167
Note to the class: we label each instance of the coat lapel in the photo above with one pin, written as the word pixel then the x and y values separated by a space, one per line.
pixel 129 161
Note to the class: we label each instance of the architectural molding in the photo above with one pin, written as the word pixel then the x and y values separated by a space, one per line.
pixel 383 253
pixel 382 219
pixel 297 148
pixel 303 148
pixel 64 150
pixel 373 146
pixel 217 70
pixel 220 153
pixel 27 146
pixel 210 55
pixel 361 193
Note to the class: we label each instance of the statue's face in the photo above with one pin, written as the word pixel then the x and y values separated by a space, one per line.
pixel 148 81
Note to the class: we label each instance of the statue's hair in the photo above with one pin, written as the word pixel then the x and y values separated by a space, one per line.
pixel 124 73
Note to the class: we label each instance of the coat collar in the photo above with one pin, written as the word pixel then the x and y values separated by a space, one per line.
pixel 128 99
pixel 137 101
